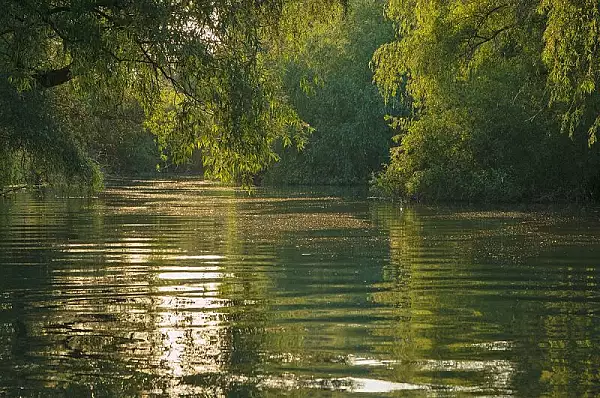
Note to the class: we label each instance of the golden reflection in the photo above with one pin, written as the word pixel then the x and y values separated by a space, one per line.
pixel 192 275
pixel 169 299
pixel 192 333
pixel 289 382
pixel 199 257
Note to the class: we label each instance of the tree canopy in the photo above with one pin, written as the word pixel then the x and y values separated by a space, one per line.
pixel 194 66
pixel 444 41
pixel 504 98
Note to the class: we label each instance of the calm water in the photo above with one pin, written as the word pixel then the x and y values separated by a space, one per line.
pixel 158 288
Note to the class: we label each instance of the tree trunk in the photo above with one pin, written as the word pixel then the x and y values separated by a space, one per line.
pixel 54 77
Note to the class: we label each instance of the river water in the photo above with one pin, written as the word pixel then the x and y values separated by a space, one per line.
pixel 172 288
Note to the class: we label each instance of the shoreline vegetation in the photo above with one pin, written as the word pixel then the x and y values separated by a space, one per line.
pixel 450 101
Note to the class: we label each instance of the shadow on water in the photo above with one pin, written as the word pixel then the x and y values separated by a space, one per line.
pixel 170 288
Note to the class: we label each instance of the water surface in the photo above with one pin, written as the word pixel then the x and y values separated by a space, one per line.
pixel 172 288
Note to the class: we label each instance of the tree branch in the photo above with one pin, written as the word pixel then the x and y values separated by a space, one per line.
pixel 477 40
pixel 54 77
pixel 58 10
pixel 158 68
pixel 485 39
pixel 472 45
pixel 485 16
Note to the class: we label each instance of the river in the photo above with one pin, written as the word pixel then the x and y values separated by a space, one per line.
pixel 172 288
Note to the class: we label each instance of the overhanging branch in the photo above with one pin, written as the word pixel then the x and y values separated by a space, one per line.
pixel 54 77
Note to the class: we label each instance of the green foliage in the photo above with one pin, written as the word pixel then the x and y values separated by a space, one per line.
pixel 488 113
pixel 63 138
pixel 36 147
pixel 196 66
pixel 572 44
pixel 328 80
pixel 111 133
pixel 232 149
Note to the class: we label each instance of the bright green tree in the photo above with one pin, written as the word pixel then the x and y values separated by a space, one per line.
pixel 503 99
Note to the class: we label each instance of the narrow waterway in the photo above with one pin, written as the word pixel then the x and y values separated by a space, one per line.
pixel 170 288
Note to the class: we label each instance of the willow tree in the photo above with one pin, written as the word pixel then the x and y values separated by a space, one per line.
pixel 497 88
pixel 195 66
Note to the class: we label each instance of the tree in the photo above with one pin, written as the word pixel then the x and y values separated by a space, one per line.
pixel 36 145
pixel 453 38
pixel 492 85
pixel 329 82
pixel 197 64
